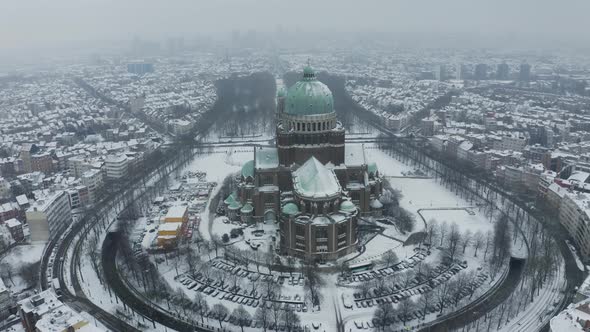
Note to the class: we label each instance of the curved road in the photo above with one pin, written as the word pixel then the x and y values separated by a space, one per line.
pixel 109 253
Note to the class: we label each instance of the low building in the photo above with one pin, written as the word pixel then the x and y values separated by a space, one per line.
pixel 49 215
pixel 574 216
pixel 170 231
pixel 576 317
pixel 33 308
pixel 555 194
pixel 16 229
pixel 10 210
pixel 5 188
pixel 116 166
pixel 93 180
pixel 168 234
pixel 63 319
pixel 78 197
pixel 44 312
pixel 177 213
pixel 42 162
pixel 180 127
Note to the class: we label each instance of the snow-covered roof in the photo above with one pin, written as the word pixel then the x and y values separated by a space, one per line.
pixel 573 318
pixel 315 180
pixel 266 157
pixel 354 155
pixel 22 200
pixel 169 227
pixel 41 303
pixel 60 320
pixel 176 212
pixel 579 176
pixel 13 223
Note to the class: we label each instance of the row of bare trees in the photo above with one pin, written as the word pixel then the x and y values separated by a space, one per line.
pixel 514 224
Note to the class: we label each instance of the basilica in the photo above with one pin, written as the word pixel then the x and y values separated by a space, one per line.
pixel 311 183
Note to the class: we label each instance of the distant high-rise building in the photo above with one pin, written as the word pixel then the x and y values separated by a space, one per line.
pixel 439 72
pixel 461 71
pixel 503 71
pixel 525 72
pixel 140 68
pixel 481 71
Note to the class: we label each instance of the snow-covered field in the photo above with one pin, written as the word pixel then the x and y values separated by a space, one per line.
pixel 18 257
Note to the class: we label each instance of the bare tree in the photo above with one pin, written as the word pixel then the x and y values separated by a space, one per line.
pixel 271 289
pixel 407 278
pixel 269 261
pixel 291 264
pixel 263 315
pixel 364 288
pixel 30 273
pixel 443 229
pixel 291 319
pixel 6 272
pixel 313 282
pixel 220 312
pixel 404 308
pixel 389 258
pixel 453 241
pixel 478 241
pixel 488 242
pixel 384 315
pixel 242 316
pixel 276 313
pixel 466 240
pixel 379 285
pixel 424 301
pixel 200 305
pixel 457 285
pixel 432 231
pixel 441 295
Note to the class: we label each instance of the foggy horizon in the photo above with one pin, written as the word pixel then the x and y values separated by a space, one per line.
pixel 59 24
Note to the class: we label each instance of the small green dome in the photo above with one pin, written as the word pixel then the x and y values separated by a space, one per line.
pixel 290 209
pixel 309 96
pixel 281 93
pixel 247 208
pixel 248 169
pixel 308 72
pixel 347 206
pixel 230 199
pixel 372 168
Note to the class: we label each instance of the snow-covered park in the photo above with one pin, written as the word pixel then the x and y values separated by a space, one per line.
pixel 244 274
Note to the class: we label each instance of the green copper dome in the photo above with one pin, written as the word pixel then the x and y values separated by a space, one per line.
pixel 248 169
pixel 309 96
pixel 347 206
pixel 247 208
pixel 290 209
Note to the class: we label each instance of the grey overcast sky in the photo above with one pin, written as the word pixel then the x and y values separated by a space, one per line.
pixel 33 23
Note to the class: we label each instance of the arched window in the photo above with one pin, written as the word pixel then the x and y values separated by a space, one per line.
pixel 307 127
pixel 313 126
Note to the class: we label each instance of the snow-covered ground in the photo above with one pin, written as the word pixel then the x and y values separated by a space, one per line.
pixel 419 195
pixel 18 257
